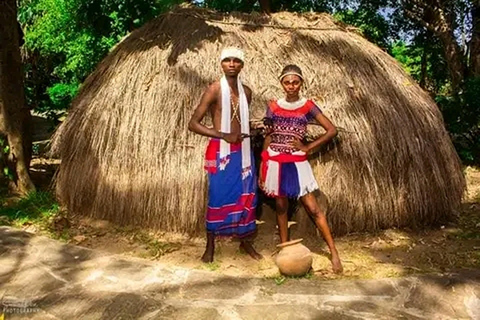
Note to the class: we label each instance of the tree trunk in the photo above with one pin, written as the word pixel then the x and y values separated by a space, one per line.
pixel 475 42
pixel 454 58
pixel 14 114
pixel 424 63
pixel 265 6
pixel 434 16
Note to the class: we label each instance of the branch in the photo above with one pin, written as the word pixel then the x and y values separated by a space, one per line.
pixel 420 20
pixel 418 3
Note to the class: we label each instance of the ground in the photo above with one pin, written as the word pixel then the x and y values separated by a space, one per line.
pixel 390 253
pixel 96 270
pixel 44 279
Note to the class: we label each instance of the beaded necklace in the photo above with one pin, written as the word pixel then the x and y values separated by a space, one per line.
pixel 235 108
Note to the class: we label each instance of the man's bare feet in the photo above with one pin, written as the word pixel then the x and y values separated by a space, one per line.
pixel 208 256
pixel 209 249
pixel 336 263
pixel 248 248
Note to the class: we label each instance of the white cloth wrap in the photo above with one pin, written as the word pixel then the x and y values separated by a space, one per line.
pixel 244 125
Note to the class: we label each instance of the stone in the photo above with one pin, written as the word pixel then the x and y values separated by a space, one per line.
pixel 58 281
pixel 79 238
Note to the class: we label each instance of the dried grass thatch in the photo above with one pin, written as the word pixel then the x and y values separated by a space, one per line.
pixel 128 156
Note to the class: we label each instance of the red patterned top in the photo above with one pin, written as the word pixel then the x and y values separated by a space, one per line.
pixel 289 124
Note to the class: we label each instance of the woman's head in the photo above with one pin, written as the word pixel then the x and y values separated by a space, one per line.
pixel 291 79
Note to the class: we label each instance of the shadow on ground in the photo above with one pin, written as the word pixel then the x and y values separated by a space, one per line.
pixel 50 280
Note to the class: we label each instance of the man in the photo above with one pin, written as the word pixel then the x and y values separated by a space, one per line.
pixel 228 160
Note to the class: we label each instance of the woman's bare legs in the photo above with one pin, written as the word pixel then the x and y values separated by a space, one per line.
pixel 281 206
pixel 320 219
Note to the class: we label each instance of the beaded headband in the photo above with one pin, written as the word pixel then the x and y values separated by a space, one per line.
pixel 291 73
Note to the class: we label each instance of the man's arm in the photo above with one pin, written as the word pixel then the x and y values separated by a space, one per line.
pixel 248 93
pixel 209 97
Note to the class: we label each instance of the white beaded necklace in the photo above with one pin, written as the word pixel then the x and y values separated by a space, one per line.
pixel 284 104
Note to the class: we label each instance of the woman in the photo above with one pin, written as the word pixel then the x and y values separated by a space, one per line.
pixel 285 171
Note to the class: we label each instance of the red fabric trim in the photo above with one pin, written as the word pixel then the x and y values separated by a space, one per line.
pixel 303 110
pixel 283 157
pixel 244 204
pixel 215 143
pixel 264 166
pixel 211 154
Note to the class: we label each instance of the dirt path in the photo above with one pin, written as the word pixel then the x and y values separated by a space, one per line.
pixel 391 253
pixel 44 279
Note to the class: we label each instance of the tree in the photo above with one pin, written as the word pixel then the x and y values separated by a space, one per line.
pixel 475 42
pixel 450 24
pixel 439 17
pixel 14 115
pixel 269 6
pixel 265 6
pixel 65 39
pixel 371 23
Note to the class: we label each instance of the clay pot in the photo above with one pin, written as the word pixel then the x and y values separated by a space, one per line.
pixel 294 259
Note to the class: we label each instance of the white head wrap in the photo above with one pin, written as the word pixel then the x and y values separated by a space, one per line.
pixel 232 52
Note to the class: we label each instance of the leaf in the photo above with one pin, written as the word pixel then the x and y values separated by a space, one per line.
pixel 280 280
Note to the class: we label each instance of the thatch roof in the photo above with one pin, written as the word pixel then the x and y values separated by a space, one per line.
pixel 128 156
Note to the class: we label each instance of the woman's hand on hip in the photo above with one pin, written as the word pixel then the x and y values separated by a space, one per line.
pixel 297 144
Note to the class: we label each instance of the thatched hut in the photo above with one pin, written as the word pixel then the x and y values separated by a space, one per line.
pixel 128 156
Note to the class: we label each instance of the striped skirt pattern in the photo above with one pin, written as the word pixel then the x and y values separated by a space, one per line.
pixel 232 198
pixel 287 175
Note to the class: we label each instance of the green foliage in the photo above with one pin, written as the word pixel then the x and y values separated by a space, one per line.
pixel 305 5
pixel 276 5
pixel 212 266
pixel 371 23
pixel 61 94
pixel 280 279
pixel 409 57
pixel 4 151
pixel 230 5
pixel 35 207
pixel 461 111
pixel 424 62
pixel 462 117
pixel 65 39
pixel 155 247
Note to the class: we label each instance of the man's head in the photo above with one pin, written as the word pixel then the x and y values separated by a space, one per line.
pixel 232 61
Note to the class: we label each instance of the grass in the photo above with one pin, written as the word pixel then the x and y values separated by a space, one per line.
pixel 389 253
pixel 64 235
pixel 36 208
pixel 155 247
pixel 280 279
pixel 212 266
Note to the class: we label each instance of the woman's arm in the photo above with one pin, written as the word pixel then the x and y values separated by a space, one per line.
pixel 331 132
